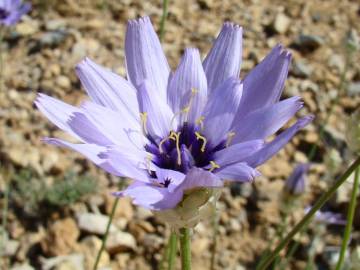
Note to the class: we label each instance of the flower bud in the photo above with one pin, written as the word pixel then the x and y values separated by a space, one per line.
pixel 353 131
pixel 295 184
pixel 198 204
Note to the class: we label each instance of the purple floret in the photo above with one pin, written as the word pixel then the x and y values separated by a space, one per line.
pixel 11 11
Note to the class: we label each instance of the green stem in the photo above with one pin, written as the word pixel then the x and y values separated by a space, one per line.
pixel 307 218
pixel 106 234
pixel 163 18
pixel 172 251
pixel 185 249
pixel 350 217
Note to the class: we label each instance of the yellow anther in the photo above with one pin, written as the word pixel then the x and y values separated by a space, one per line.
pixel 176 137
pixel 143 118
pixel 230 137
pixel 200 122
pixel 148 159
pixel 187 108
pixel 200 137
pixel 214 166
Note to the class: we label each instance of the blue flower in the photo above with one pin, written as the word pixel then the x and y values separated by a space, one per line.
pixel 182 131
pixel 11 11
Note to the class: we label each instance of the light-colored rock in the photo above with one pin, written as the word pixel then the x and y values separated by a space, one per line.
pixel 281 23
pixel 94 223
pixel 70 262
pixel 24 266
pixel 120 241
pixel 63 81
pixel 11 247
pixel 90 247
pixel 61 238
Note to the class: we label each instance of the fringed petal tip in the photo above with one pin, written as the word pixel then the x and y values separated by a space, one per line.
pixel 304 121
pixel 139 21
pixel 281 51
pixel 232 26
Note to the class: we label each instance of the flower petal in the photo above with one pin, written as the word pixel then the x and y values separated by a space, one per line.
pixel 114 126
pixel 279 142
pixel 107 88
pixel 145 58
pixel 126 163
pixel 220 110
pixel 158 114
pixel 57 112
pixel 239 172
pixel 237 152
pixel 197 177
pixel 175 178
pixel 187 89
pixel 90 151
pixel 150 196
pixel 224 59
pixel 264 84
pixel 266 121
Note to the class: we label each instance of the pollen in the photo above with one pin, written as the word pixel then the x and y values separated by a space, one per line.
pixel 230 137
pixel 176 137
pixel 200 122
pixel 214 166
pixel 203 139
pixel 143 118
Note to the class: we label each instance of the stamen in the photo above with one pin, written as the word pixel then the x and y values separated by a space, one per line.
pixel 143 118
pixel 162 142
pixel 148 159
pixel 230 137
pixel 176 137
pixel 200 137
pixel 187 108
pixel 200 122
pixel 214 166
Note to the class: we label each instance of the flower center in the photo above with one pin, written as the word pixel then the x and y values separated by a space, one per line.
pixel 3 13
pixel 184 149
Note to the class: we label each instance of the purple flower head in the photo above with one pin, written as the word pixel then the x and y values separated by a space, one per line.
pixel 176 132
pixel 295 184
pixel 12 10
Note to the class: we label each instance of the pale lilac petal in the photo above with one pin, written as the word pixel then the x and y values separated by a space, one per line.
pixel 145 58
pixel 139 158
pixel 239 172
pixel 108 89
pixel 158 114
pixel 57 112
pixel 116 127
pixel 151 196
pixel 188 87
pixel 266 121
pixel 237 152
pixel 224 59
pixel 16 10
pixel 264 84
pixel 220 110
pixel 90 151
pixel 175 178
pixel 197 177
pixel 125 164
pixel 279 142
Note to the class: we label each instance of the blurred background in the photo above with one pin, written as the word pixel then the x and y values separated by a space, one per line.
pixel 55 204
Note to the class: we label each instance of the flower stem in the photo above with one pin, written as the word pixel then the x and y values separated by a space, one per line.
pixel 307 218
pixel 215 225
pixel 350 217
pixel 163 18
pixel 106 234
pixel 172 250
pixel 185 248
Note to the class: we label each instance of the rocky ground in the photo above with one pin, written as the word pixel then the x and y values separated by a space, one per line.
pixel 59 203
